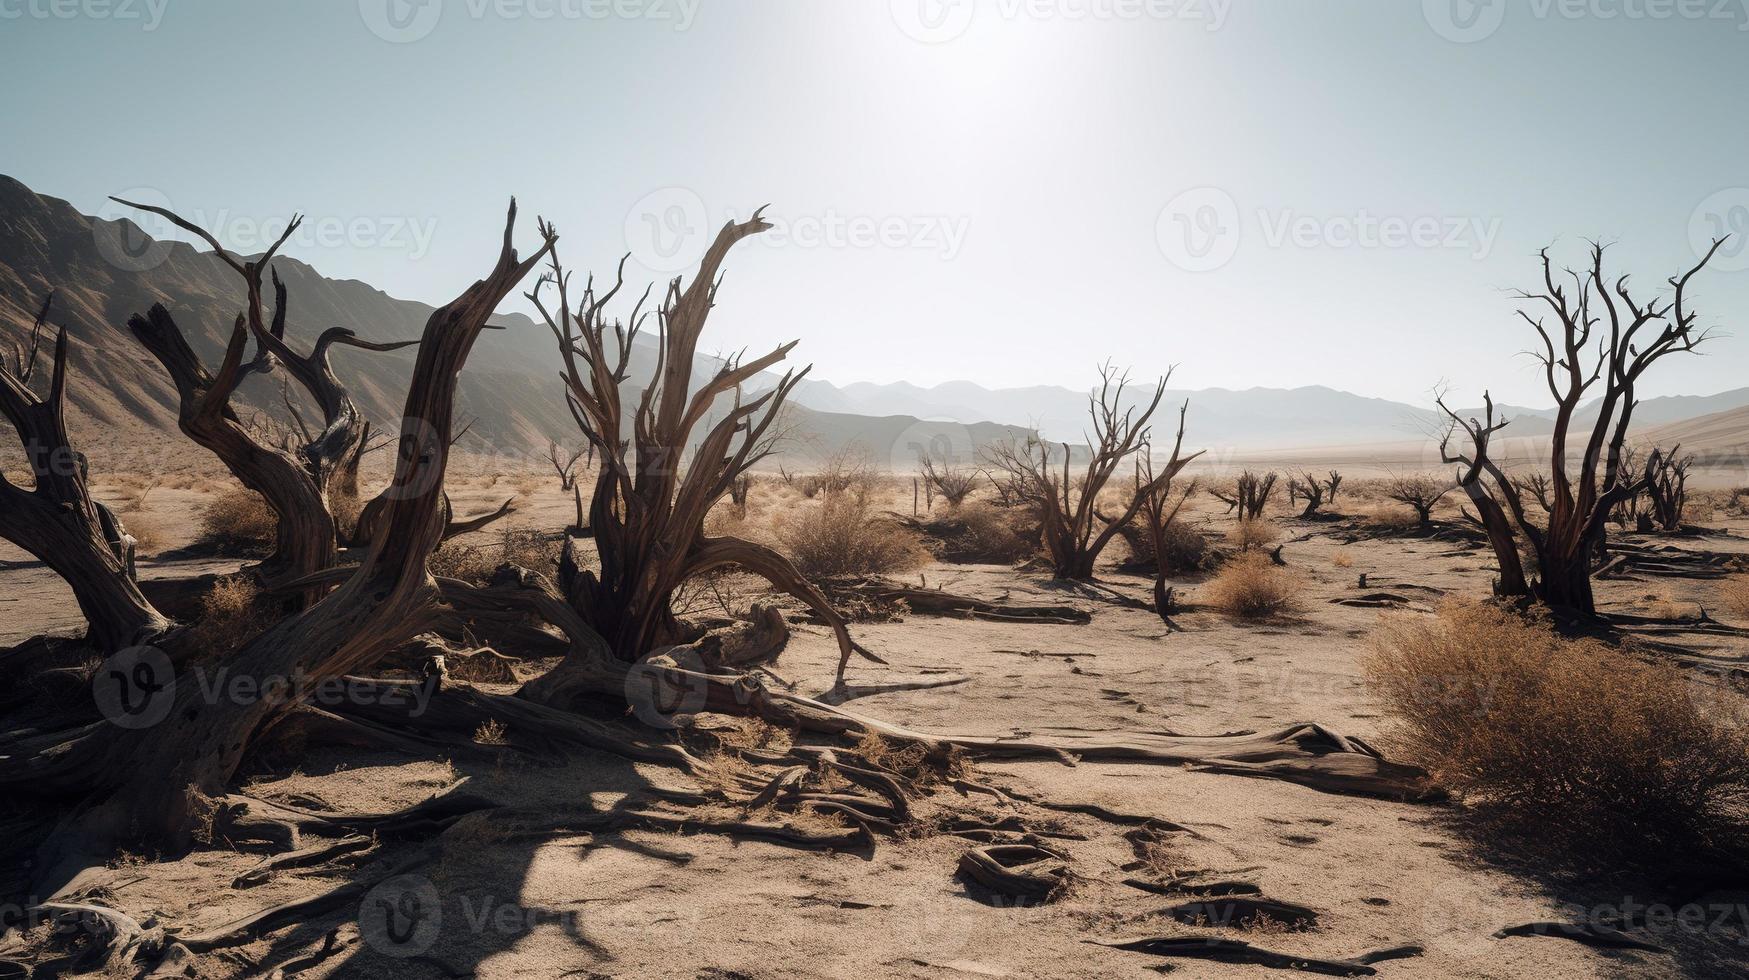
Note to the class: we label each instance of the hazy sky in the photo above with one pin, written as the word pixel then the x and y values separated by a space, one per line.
pixel 1267 193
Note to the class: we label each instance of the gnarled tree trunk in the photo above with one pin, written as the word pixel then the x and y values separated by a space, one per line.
pixel 56 520
pixel 153 782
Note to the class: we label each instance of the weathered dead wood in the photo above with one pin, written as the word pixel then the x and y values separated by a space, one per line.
pixel 1575 354
pixel 1067 503
pixel 647 510
pixel 939 602
pixel 1242 912
pixel 307 857
pixel 57 521
pixel 1588 934
pixel 153 782
pixel 295 481
pixel 1235 951
pixel 1016 870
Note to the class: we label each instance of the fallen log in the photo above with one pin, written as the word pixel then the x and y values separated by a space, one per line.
pixel 940 603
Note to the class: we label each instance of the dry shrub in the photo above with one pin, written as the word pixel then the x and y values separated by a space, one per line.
pixel 848 470
pixel 148 538
pixel 1248 534
pixel 346 508
pixel 231 615
pixel 1342 559
pixel 525 546
pixel 1186 549
pixel 1252 586
pixel 841 537
pixel 1573 746
pixel 238 519
pixel 1734 593
pixel 978 533
pixel 1393 520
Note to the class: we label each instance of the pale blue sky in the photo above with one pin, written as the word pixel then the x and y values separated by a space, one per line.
pixel 968 191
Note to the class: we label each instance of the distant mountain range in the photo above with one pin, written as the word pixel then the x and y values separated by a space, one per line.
pixel 1255 419
pixel 511 389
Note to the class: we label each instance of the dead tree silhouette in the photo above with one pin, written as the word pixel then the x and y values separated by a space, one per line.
pixel 1067 503
pixel 56 520
pixel 1600 335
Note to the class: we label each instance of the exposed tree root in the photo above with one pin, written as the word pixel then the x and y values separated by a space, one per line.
pixel 937 602
pixel 305 858
pixel 1242 912
pixel 851 691
pixel 1597 936
pixel 1235 951
pixel 1025 871
pixel 1668 561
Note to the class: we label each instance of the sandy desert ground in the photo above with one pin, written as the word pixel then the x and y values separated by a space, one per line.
pixel 1378 874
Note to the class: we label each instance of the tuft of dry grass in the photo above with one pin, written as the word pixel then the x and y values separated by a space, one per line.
pixel 1253 587
pixel 1342 559
pixel 841 536
pixel 238 518
pixel 527 547
pixel 1248 534
pixel 1575 749
pixel 978 533
pixel 231 615
pixel 148 538
pixel 1734 592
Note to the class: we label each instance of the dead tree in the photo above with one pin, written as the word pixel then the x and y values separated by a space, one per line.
pixel 56 520
pixel 1160 506
pixel 1067 503
pixel 296 484
pixel 1667 488
pixel 647 510
pixel 1314 492
pixel 157 782
pixel 1250 493
pixel 564 463
pixel 942 477
pixel 1600 335
pixel 1419 493
pixel 1490 503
